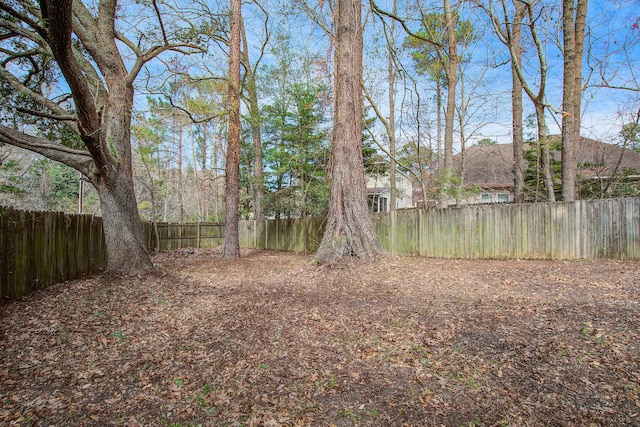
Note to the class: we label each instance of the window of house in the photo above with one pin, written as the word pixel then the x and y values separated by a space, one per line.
pixel 486 198
pixel 383 204
pixel 503 198
pixel 377 203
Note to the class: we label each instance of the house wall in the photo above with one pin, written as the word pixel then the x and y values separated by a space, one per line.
pixel 381 183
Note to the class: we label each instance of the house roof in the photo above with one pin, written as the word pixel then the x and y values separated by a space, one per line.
pixel 491 166
pixel 596 158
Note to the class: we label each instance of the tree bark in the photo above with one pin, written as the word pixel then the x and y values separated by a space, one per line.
pixel 393 204
pixel 349 230
pixel 573 26
pixel 105 132
pixel 126 251
pixel 452 70
pixel 232 181
pixel 516 102
pixel 257 187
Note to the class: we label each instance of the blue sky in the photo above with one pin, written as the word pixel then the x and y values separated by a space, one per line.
pixel 611 33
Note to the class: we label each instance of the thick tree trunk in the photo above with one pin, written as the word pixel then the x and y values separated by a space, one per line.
pixel 232 181
pixel 126 250
pixel 105 130
pixel 349 230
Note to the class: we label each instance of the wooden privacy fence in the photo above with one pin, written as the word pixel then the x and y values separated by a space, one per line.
pixel 165 236
pixel 282 234
pixel 41 248
pixel 586 229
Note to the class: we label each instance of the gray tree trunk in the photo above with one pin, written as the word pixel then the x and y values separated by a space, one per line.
pixel 106 133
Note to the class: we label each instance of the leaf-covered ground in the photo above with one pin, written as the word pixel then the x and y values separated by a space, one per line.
pixel 272 340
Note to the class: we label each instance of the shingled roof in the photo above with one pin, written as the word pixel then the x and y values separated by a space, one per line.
pixel 488 166
pixel 491 166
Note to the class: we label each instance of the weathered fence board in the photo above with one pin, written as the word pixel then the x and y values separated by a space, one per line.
pixel 586 229
pixel 282 234
pixel 178 236
pixel 41 248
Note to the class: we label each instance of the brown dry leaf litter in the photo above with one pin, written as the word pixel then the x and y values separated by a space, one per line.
pixel 271 340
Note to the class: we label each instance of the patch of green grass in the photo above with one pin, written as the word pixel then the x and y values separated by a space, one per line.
pixel 118 334
pixel 351 414
pixel 586 328
pixel 474 384
pixel 332 382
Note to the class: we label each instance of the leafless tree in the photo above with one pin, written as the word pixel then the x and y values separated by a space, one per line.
pixel 85 45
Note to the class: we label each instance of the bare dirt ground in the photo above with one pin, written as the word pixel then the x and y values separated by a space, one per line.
pixel 272 340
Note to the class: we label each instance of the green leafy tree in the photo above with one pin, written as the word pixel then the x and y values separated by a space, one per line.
pixel 417 160
pixel 294 133
pixel 630 134
pixel 449 186
pixel 487 141
pixel 296 152
pixel 13 184
pixel 59 185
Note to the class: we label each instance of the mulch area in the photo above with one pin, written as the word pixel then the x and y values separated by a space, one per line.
pixel 272 340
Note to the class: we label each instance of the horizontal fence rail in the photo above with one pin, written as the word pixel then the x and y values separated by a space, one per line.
pixel 585 229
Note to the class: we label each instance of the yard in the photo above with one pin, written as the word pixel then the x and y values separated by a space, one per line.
pixel 270 340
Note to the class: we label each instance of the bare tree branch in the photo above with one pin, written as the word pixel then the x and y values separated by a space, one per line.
pixel 164 33
pixel 65 118
pixel 403 23
pixel 36 97
pixel 77 159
